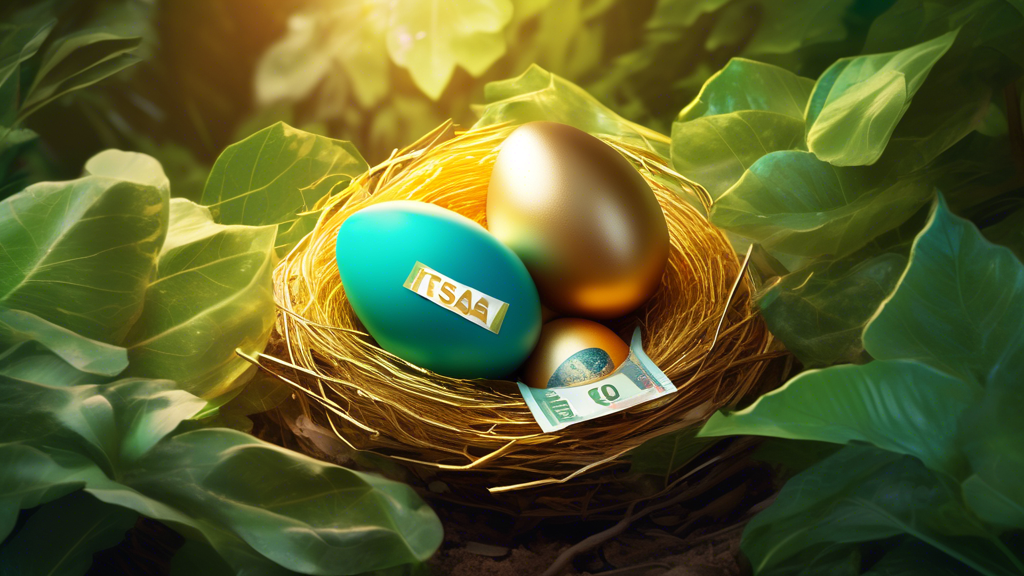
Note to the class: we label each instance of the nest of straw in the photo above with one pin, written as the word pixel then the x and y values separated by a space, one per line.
pixel 699 328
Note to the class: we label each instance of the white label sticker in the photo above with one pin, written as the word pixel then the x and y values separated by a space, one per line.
pixel 473 305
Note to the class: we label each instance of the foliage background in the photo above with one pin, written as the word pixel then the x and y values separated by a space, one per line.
pixel 871 150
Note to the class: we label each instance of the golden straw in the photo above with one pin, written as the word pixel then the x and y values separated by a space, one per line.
pixel 709 341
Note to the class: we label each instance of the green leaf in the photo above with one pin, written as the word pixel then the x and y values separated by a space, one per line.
pixel 991 504
pixel 75 61
pixel 212 295
pixel 287 512
pixel 991 434
pixel 715 151
pixel 276 176
pixel 196 557
pixel 792 202
pixel 745 111
pixel 30 361
pixel 30 477
pixel 84 354
pixel 952 102
pixel 263 393
pixel 61 537
pixel 819 311
pixel 538 95
pixel 1009 232
pixel 431 37
pixel 305 515
pixel 667 453
pixel 682 13
pixel 791 457
pixel 959 305
pixel 858 102
pixel 80 254
pixel 862 493
pixel 130 167
pixel 748 85
pixel 18 43
pixel 897 405
pixel 787 26
pixel 914 557
pixel 322 44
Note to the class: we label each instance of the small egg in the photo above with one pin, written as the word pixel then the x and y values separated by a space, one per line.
pixel 573 351
pixel 436 289
pixel 582 219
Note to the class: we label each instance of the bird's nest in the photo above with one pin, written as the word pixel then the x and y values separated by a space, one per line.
pixel 700 328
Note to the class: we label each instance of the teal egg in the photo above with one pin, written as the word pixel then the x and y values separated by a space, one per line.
pixel 438 290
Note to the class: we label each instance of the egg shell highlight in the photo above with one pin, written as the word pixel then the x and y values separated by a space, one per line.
pixel 377 249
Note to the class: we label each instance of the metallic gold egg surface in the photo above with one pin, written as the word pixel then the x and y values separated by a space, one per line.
pixel 582 219
pixel 573 351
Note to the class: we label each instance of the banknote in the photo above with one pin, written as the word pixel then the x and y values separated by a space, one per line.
pixel 636 381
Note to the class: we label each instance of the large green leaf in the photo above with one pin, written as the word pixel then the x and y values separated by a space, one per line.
pixel 212 295
pixel 82 353
pixel 792 202
pixel 913 558
pixel 715 151
pixel 75 61
pixel 898 405
pixel 80 254
pixel 263 508
pixel 748 85
pixel 667 453
pixel 819 311
pixel 952 102
pixel 1009 232
pixel 991 434
pixel 61 537
pixel 862 493
pixel 743 112
pixel 538 95
pixel 858 101
pixel 20 41
pixel 292 515
pixel 276 176
pixel 31 361
pixel 322 42
pixel 959 306
pixel 30 477
pixel 431 37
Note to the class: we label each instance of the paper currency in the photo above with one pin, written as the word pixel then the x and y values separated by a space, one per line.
pixel 636 381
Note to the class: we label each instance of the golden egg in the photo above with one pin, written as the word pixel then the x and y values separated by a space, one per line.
pixel 573 351
pixel 581 218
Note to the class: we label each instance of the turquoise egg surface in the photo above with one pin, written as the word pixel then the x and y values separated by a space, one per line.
pixel 383 252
